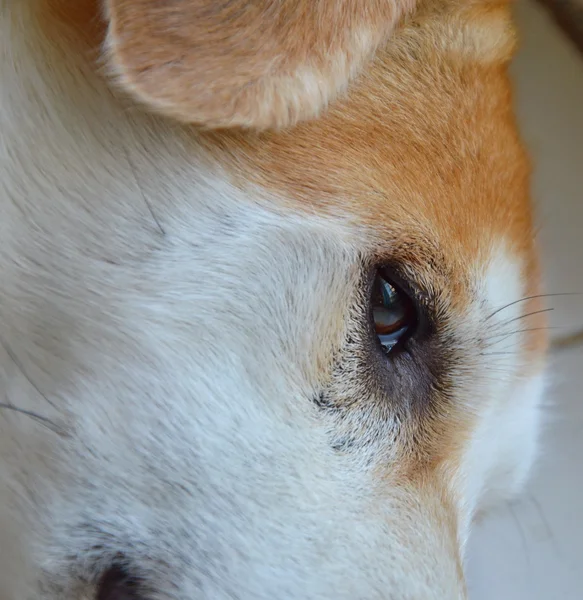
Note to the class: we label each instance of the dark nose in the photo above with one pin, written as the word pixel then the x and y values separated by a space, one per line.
pixel 117 584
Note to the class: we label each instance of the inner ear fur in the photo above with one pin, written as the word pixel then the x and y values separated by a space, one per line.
pixel 248 63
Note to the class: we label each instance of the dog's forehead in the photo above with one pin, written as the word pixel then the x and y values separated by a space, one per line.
pixel 424 152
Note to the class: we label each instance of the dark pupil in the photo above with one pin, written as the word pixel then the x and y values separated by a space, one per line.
pixel 389 313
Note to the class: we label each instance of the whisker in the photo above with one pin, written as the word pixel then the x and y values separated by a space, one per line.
pixel 492 340
pixel 21 368
pixel 144 197
pixel 496 353
pixel 530 314
pixel 496 348
pixel 516 331
pixel 498 310
pixel 36 417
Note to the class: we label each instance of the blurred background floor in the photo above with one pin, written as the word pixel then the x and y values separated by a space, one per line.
pixel 533 548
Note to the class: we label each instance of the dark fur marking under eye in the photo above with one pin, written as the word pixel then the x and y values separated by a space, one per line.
pixel 117 584
pixel 373 395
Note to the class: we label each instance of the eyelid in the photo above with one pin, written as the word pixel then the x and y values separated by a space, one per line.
pixel 399 279
pixel 405 281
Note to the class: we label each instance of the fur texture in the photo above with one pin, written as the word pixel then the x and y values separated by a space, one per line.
pixel 184 315
pixel 255 64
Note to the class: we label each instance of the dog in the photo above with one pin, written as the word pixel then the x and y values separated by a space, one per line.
pixel 271 321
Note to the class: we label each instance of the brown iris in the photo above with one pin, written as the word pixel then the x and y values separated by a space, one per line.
pixel 392 311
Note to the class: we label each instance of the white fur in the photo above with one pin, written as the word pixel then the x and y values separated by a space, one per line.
pixel 176 331
pixel 502 449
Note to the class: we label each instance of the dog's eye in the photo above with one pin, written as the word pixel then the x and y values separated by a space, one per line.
pixel 393 312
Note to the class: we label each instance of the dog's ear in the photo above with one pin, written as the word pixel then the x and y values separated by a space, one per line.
pixel 250 63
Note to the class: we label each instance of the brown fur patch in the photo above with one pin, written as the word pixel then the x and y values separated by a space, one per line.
pixel 255 64
pixel 424 150
pixel 82 19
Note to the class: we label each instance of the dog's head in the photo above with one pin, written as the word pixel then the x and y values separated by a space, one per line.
pixel 296 344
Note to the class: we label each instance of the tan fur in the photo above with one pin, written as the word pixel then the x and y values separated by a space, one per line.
pixel 255 64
